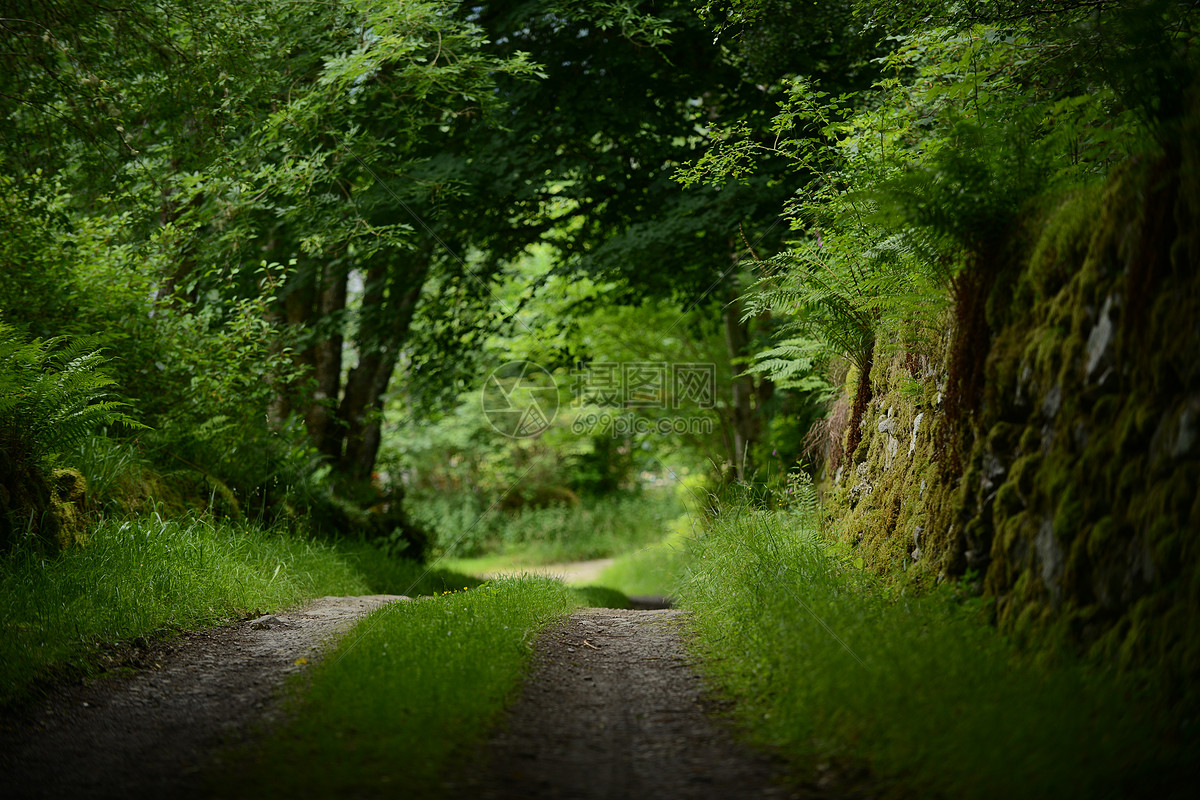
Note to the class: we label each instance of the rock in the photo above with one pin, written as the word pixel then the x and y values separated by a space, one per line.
pixel 912 442
pixel 1052 402
pixel 892 448
pixel 1185 436
pixel 1099 339
pixel 1019 399
pixel 976 558
pixel 863 487
pixel 993 469
pixel 1050 554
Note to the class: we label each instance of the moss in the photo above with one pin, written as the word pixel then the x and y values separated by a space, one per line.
pixel 69 490
pixel 1100 538
pixel 1060 249
pixel 1068 515
pixel 1099 464
pixel 45 509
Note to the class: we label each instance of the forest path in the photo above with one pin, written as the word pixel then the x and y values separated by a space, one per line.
pixel 576 572
pixel 151 733
pixel 612 709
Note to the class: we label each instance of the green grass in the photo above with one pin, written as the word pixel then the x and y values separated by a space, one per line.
pixel 828 665
pixel 486 564
pixel 408 691
pixel 595 528
pixel 384 575
pixel 654 570
pixel 599 597
pixel 151 576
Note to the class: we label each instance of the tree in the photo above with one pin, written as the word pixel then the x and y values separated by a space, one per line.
pixel 586 159
pixel 239 139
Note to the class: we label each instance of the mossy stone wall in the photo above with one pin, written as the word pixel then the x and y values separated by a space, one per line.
pixel 1075 502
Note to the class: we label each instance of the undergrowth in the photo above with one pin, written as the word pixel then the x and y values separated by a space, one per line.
pixel 412 687
pixel 827 664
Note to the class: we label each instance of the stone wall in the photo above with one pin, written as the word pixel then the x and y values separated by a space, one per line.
pixel 1073 497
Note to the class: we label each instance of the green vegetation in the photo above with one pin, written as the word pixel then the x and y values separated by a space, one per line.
pixel 594 528
pixel 654 570
pixel 275 274
pixel 599 597
pixel 411 687
pixel 52 396
pixel 152 577
pixel 828 665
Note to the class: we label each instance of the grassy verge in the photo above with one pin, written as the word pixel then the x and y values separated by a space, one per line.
pixel 409 689
pixel 599 597
pixel 654 570
pixel 149 576
pixel 826 666
pixel 384 575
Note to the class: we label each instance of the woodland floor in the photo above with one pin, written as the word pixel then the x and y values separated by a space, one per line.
pixel 611 709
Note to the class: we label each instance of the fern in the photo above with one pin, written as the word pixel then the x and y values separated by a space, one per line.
pixel 53 395
pixel 826 300
pixel 792 364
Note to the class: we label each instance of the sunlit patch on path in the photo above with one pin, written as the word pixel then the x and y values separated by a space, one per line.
pixel 576 572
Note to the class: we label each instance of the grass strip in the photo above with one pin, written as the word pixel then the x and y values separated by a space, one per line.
pixel 410 688
pixel 149 576
pixel 825 666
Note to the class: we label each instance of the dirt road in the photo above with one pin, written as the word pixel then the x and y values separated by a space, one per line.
pixel 151 733
pixel 613 710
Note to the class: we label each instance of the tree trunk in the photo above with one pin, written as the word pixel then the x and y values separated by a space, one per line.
pixel 745 420
pixel 389 302
pixel 320 420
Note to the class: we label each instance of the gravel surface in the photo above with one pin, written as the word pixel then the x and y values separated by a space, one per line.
pixel 150 733
pixel 613 710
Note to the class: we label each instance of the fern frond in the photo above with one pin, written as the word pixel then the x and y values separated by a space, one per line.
pixel 53 394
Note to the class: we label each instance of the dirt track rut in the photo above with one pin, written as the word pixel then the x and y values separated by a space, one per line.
pixel 152 733
pixel 612 709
